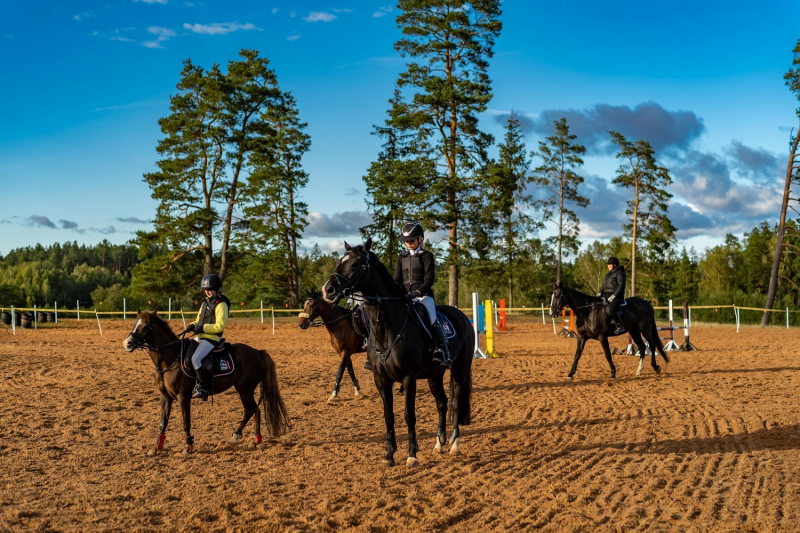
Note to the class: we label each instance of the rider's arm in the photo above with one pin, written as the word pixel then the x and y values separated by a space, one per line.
pixel 619 292
pixel 221 313
pixel 429 266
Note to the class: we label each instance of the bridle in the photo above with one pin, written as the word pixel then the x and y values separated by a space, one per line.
pixel 142 342
pixel 348 290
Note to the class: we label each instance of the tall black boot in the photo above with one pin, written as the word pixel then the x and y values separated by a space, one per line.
pixel 617 321
pixel 203 387
pixel 441 355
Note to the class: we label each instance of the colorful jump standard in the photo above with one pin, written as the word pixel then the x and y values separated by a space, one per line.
pixel 490 351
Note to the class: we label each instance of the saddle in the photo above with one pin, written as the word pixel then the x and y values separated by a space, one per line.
pixel 424 321
pixel 221 358
pixel 360 321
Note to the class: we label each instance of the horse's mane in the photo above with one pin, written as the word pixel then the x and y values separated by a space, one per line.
pixel 578 294
pixel 388 280
pixel 160 321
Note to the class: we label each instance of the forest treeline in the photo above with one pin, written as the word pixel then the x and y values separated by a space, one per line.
pixel 734 272
pixel 229 180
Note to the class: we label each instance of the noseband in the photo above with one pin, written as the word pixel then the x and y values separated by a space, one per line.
pixel 350 284
pixel 141 339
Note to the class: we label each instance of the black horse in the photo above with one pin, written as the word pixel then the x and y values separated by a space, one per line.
pixel 401 350
pixel 591 322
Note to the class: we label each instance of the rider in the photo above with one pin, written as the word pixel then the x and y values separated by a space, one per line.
pixel 613 290
pixel 209 326
pixel 416 271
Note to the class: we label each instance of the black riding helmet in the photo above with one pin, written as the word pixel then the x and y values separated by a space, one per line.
pixel 411 231
pixel 211 282
pixel 613 261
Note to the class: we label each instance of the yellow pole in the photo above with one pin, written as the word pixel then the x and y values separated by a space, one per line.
pixel 487 309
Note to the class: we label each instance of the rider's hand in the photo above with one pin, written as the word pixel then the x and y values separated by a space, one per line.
pixel 611 298
pixel 189 329
pixel 411 295
pixel 599 294
pixel 198 328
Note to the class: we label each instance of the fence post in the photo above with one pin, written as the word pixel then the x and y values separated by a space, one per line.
pixel 262 311
pixel 98 321
pixel 36 318
pixel 169 308
pixel 273 320
pixel 13 321
pixel 543 322
pixel 787 318
pixel 124 310
pixel 78 306
pixel 55 306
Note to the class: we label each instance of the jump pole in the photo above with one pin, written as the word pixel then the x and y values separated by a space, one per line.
pixel 490 351
pixel 501 325
pixel 671 346
pixel 478 354
pixel 687 346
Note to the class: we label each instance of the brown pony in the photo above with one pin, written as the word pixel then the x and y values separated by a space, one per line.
pixel 251 367
pixel 344 339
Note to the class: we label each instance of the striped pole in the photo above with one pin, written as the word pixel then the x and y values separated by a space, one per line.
pixel 687 346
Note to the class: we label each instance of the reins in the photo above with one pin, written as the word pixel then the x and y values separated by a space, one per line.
pixel 143 344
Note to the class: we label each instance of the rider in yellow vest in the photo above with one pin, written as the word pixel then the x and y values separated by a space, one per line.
pixel 208 327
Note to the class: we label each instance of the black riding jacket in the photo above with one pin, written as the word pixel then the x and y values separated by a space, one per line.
pixel 416 272
pixel 614 283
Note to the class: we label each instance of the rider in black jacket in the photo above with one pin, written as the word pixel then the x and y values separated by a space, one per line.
pixel 415 272
pixel 613 291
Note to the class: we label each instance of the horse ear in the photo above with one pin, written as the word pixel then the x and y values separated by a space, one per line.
pixel 155 312
pixel 347 246
pixel 368 245
pixel 138 311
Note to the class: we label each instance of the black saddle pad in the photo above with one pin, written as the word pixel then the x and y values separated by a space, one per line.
pixel 447 326
pixel 221 359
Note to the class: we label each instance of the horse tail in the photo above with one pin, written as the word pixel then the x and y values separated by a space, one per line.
pixel 461 381
pixel 275 416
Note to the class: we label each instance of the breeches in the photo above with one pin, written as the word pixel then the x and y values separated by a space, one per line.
pixel 203 348
pixel 430 306
pixel 612 307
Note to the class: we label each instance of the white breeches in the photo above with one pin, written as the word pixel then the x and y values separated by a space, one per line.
pixel 203 348
pixel 427 301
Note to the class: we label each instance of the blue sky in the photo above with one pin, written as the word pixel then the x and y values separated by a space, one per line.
pixel 85 82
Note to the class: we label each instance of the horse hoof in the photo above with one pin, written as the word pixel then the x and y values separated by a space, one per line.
pixel 332 398
pixel 257 439
pixel 412 462
pixel 153 452
pixel 388 462
pixel 438 448
pixel 454 449
pixel 235 439
pixel 657 369
pixel 570 378
pixel 357 393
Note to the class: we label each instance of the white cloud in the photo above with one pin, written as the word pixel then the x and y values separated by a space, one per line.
pixel 342 10
pixel 219 28
pixel 162 34
pixel 292 37
pixel 383 11
pixel 152 1
pixel 274 10
pixel 319 16
pixel 293 14
pixel 82 16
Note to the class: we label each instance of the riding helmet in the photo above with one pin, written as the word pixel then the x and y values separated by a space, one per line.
pixel 411 231
pixel 211 282
pixel 613 261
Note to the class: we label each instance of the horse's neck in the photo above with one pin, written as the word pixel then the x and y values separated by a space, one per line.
pixel 168 349
pixel 329 313
pixel 576 300
pixel 380 318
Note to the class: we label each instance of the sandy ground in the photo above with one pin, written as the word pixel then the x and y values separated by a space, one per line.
pixel 713 444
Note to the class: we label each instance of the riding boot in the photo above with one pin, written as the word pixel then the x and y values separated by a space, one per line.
pixel 617 321
pixel 201 390
pixel 441 355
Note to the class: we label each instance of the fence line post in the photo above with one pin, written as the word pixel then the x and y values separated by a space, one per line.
pixel 13 321
pixel 78 305
pixel 273 320
pixel 98 321
pixel 262 311
pixel 55 306
pixel 169 308
pixel 124 310
pixel 36 317
pixel 543 322
pixel 787 318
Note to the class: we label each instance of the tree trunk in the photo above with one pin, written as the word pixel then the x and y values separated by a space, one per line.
pixel 776 261
pixel 633 243
pixel 560 228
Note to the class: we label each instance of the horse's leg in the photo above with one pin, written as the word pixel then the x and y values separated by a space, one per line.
pixel 250 408
pixel 385 389
pixel 352 373
pixel 578 351
pixel 637 339
pixel 185 403
pixel 655 346
pixel 166 408
pixel 339 374
pixel 607 350
pixel 410 383
pixel 437 389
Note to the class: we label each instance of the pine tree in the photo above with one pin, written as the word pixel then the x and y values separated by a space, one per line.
pixel 561 155
pixel 449 43
pixel 648 207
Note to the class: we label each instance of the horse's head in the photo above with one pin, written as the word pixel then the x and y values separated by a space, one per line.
pixel 351 274
pixel 557 302
pixel 310 309
pixel 143 331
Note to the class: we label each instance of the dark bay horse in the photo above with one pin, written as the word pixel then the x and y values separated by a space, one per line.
pixel 251 368
pixel 344 339
pixel 591 322
pixel 400 349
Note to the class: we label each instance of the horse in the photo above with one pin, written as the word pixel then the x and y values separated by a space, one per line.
pixel 400 349
pixel 251 367
pixel 591 322
pixel 344 339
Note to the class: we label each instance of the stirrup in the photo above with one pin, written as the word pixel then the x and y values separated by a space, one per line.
pixel 199 392
pixel 440 359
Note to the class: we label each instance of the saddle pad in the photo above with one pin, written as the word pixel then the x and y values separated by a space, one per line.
pixel 447 326
pixel 222 363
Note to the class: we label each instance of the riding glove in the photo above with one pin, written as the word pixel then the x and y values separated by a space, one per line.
pixel 189 329
pixel 411 295
pixel 611 298
pixel 198 328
